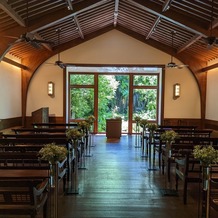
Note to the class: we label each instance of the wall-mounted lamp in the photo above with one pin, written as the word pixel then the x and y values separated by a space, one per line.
pixel 176 90
pixel 51 89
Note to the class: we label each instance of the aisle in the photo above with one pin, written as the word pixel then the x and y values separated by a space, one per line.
pixel 118 184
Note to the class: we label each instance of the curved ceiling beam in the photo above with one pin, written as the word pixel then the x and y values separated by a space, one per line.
pixel 10 11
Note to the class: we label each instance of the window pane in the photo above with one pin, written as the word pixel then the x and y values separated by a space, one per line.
pixel 82 102
pixel 81 79
pixel 145 103
pixel 145 80
pixel 113 99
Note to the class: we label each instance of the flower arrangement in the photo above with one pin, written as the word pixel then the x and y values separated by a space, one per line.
pixel 84 125
pixel 143 122
pixel 53 153
pixel 207 155
pixel 152 127
pixel 169 136
pixel 137 119
pixel 90 120
pixel 74 134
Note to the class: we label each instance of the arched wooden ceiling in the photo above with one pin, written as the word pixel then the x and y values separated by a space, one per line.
pixel 150 21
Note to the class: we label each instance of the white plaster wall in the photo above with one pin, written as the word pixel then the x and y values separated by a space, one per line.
pixel 211 93
pixel 37 93
pixel 10 90
pixel 115 47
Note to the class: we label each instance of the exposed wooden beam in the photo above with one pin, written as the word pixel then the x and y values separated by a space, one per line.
pixel 166 5
pixel 69 5
pixel 9 61
pixel 10 11
pixel 211 67
pixel 152 8
pixel 152 29
pixel 78 26
pixel 85 6
pixel 158 19
pixel 116 8
pixel 189 43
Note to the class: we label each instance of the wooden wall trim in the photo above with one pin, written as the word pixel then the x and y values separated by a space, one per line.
pixel 183 121
pixel 10 122
pixel 211 124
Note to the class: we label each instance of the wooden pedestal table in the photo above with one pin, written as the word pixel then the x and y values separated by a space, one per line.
pixel 113 128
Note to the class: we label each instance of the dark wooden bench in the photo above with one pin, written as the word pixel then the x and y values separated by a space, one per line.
pixel 188 170
pixel 14 158
pixel 39 130
pixel 33 141
pixel 177 127
pixel 214 194
pixel 177 150
pixel 33 135
pixel 35 144
pixel 192 140
pixel 26 160
pixel 21 197
pixel 54 125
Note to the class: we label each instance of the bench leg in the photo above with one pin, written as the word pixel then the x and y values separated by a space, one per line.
pixel 185 192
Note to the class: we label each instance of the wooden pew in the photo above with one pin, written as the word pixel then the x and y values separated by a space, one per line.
pixel 183 144
pixel 16 157
pixel 194 139
pixel 177 127
pixel 39 130
pixel 177 150
pixel 214 194
pixel 54 125
pixel 33 141
pixel 188 170
pixel 36 143
pixel 34 135
pixel 23 197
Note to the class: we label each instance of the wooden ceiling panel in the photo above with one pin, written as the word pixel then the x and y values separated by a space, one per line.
pixel 151 19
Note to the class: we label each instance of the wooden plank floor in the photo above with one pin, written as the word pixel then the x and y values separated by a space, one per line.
pixel 118 184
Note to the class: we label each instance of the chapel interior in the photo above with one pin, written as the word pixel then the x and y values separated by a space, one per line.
pixel 106 82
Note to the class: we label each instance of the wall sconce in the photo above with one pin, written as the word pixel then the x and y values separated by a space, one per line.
pixel 51 89
pixel 176 90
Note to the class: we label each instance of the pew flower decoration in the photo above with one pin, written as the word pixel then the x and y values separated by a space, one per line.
pixel 207 155
pixel 152 127
pixel 169 136
pixel 137 119
pixel 53 153
pixel 84 125
pixel 90 119
pixel 143 123
pixel 74 134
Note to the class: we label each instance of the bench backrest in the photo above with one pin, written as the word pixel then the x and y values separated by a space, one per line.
pixel 22 197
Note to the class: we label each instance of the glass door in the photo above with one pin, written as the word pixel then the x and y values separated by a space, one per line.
pixel 81 96
pixel 110 95
pixel 145 98
pixel 113 100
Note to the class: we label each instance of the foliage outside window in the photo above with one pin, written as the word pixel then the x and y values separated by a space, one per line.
pixel 113 97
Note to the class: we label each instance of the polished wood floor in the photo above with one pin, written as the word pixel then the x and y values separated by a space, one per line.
pixel 119 183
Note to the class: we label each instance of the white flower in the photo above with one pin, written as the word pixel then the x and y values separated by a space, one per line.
pixel 207 155
pixel 53 153
pixel 169 136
